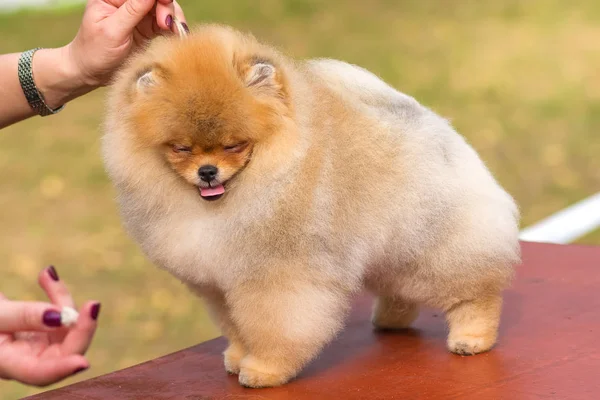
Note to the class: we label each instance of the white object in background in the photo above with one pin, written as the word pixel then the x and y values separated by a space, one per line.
pixel 567 225
pixel 11 5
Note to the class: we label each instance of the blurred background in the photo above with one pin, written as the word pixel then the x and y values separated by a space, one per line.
pixel 519 79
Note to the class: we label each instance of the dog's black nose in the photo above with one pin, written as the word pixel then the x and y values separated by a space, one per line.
pixel 208 172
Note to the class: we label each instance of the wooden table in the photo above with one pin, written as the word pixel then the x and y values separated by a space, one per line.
pixel 549 349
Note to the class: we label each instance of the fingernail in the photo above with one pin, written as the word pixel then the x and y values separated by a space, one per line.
pixel 169 21
pixel 187 29
pixel 52 272
pixel 95 311
pixel 80 369
pixel 51 318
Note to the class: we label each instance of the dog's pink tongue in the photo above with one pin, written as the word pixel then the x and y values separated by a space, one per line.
pixel 213 191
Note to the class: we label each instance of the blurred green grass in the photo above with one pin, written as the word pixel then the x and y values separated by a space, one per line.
pixel 518 79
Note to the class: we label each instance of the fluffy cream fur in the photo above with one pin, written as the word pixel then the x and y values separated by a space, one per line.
pixel 358 186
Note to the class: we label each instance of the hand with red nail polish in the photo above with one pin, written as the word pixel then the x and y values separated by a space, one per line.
pixel 35 348
pixel 111 30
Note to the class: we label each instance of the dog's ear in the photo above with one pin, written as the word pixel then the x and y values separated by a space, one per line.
pixel 262 76
pixel 262 73
pixel 145 81
pixel 149 77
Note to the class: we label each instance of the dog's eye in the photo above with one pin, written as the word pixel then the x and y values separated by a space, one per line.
pixel 236 148
pixel 181 149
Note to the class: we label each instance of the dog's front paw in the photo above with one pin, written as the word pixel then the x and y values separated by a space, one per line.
pixel 470 345
pixel 257 374
pixel 232 357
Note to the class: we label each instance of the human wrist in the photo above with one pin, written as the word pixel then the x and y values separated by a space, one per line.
pixel 57 77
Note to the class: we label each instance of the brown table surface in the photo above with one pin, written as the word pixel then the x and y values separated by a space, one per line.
pixel 549 348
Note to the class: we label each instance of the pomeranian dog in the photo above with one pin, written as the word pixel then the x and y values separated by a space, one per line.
pixel 276 190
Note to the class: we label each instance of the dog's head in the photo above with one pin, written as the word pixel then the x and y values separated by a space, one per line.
pixel 205 102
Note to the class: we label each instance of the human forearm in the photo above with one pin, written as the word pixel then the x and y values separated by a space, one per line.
pixel 54 75
pixel 109 32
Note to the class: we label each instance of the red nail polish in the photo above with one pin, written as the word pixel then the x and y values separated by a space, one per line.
pixel 51 318
pixel 95 311
pixel 53 274
pixel 169 21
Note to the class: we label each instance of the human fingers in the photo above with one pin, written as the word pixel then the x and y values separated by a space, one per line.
pixel 55 288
